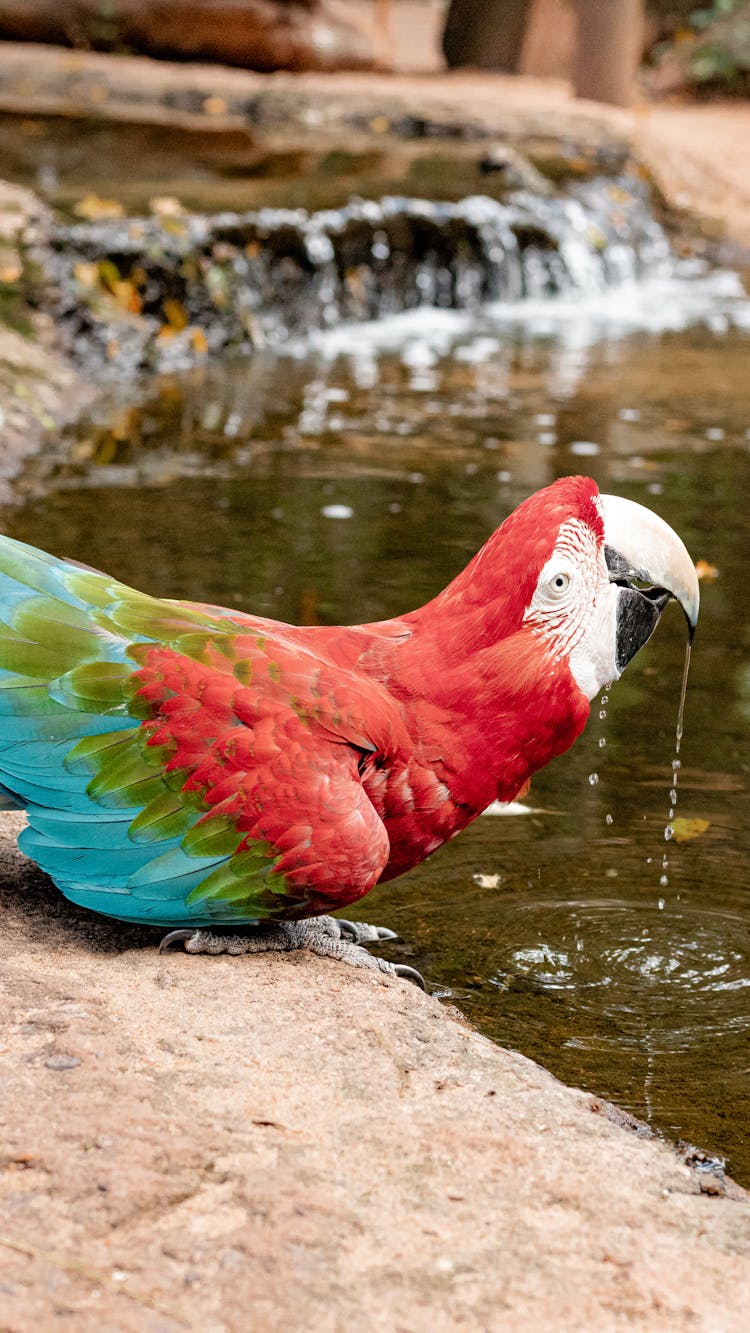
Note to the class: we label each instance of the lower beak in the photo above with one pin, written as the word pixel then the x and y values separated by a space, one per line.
pixel 640 546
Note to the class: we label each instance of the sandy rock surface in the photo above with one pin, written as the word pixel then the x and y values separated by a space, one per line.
pixel 284 1143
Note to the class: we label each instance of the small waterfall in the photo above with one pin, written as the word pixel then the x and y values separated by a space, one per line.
pixel 262 278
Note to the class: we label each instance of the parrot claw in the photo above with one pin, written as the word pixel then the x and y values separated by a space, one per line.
pixel 410 974
pixel 359 932
pixel 175 937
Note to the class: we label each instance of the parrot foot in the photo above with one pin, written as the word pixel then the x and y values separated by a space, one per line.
pixel 359 932
pixel 323 935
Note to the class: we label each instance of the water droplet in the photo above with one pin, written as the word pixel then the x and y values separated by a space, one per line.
pixel 664 881
pixel 593 779
pixel 673 796
pixel 602 742
pixel 661 904
pixel 608 819
pixel 668 833
pixel 676 765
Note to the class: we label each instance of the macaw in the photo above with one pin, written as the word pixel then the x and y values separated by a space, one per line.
pixel 238 780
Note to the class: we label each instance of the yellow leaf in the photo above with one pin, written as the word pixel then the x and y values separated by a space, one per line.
pixel 175 313
pixel 108 274
pixel 706 571
pixel 92 208
pixel 126 296
pixel 166 206
pixel 9 272
pixel 86 273
pixel 173 225
pixel 685 829
pixel 199 341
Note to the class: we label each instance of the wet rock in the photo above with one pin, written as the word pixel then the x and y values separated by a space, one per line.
pixel 168 291
pixel 39 388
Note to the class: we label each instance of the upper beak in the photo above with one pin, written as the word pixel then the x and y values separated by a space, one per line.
pixel 640 545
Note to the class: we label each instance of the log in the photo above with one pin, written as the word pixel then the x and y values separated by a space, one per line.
pixel 262 35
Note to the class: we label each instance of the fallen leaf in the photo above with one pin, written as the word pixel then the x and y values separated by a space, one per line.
pixel 11 269
pixel 685 829
pixel 176 313
pixel 108 274
pixel 93 209
pixel 126 296
pixel 87 273
pixel 174 226
pixel 166 206
pixel 706 571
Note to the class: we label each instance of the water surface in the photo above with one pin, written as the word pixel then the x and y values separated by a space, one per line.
pixel 354 479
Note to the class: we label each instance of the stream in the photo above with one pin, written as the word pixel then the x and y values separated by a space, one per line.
pixel 347 475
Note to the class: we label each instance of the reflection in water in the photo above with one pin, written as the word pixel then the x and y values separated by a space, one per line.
pixel 348 485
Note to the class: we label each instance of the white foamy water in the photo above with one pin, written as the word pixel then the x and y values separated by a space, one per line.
pixel 661 304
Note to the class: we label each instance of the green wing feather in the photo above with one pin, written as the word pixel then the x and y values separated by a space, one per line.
pixel 163 753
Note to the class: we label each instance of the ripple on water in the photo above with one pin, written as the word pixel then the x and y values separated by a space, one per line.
pixel 629 970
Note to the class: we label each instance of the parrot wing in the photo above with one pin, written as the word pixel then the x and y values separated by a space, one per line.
pixel 177 767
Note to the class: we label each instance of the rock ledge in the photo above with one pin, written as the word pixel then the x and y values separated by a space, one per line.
pixel 283 1143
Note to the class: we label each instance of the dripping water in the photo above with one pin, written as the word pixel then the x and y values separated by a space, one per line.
pixel 602 741
pixel 676 765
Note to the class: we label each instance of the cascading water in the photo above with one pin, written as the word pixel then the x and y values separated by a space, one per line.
pixel 263 278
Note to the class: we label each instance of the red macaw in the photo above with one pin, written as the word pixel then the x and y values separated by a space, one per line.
pixel 240 779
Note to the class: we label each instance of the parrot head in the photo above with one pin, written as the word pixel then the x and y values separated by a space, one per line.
pixel 590 575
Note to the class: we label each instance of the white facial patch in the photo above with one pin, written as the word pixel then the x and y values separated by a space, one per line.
pixel 574 607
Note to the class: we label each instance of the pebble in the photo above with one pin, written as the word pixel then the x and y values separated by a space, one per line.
pixel 61 1061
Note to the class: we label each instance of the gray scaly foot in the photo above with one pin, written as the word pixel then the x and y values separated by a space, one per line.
pixel 324 935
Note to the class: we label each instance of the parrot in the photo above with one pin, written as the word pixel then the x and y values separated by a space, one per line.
pixel 237 780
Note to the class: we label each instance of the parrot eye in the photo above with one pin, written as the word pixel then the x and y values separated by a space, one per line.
pixel 559 583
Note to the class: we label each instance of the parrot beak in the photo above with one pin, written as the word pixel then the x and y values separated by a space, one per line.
pixel 638 545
